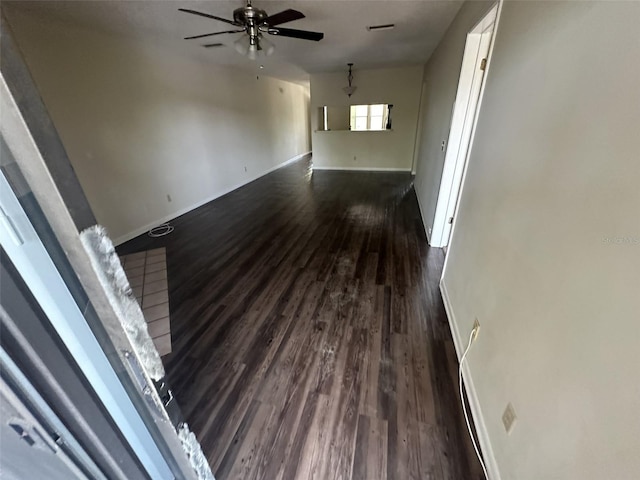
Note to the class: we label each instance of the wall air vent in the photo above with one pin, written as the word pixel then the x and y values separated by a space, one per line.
pixel 387 26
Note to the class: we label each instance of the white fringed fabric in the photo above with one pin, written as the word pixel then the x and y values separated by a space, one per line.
pixel 107 266
pixel 192 447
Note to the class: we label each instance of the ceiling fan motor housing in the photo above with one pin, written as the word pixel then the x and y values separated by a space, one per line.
pixel 249 16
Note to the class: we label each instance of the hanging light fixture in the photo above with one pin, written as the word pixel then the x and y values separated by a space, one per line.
pixel 351 89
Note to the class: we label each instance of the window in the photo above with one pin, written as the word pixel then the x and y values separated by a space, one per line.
pixel 363 118
pixel 369 117
pixel 360 117
pixel 376 117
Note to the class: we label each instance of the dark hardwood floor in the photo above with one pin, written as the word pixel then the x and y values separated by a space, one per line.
pixel 309 336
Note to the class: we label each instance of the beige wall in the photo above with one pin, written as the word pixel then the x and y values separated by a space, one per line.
pixel 440 83
pixel 546 248
pixel 392 150
pixel 140 123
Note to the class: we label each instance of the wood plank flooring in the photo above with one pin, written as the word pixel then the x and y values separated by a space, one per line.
pixel 309 336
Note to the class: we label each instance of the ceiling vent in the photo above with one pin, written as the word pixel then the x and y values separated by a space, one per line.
pixel 387 26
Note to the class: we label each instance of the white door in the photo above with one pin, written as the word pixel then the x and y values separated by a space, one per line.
pixel 472 73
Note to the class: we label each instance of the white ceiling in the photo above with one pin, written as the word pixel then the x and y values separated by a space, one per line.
pixel 420 24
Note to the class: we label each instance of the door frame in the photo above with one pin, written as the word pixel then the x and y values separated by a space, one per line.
pixel 40 157
pixel 478 47
pixel 25 250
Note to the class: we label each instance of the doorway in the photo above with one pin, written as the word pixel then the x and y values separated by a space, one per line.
pixel 474 67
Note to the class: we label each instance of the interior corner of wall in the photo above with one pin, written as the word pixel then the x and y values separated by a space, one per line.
pixel 453 325
pixel 422 219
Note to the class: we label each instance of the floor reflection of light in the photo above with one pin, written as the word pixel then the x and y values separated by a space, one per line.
pixel 365 214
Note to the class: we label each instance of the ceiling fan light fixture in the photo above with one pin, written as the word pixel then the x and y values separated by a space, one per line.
pixel 255 22
pixel 266 46
pixel 253 46
pixel 242 45
pixel 252 54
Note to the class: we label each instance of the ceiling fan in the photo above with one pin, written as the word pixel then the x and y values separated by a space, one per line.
pixel 255 22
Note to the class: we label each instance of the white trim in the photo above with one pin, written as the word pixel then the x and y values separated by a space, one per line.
pixel 365 169
pixel 145 228
pixel 472 396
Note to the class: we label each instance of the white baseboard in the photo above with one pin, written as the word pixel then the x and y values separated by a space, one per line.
pixel 476 411
pixel 364 169
pixel 145 228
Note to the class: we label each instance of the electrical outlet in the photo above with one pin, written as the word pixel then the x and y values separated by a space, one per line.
pixel 509 418
pixel 476 328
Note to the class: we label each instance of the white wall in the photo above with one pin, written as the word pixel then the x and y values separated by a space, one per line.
pixel 382 150
pixel 140 123
pixel 440 82
pixel 537 254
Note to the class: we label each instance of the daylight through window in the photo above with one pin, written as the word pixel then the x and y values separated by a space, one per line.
pixel 369 117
